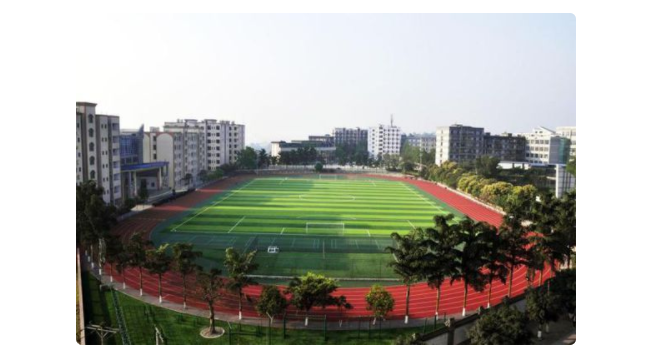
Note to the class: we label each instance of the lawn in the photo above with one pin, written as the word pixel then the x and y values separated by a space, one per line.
pixel 338 227
pixel 180 329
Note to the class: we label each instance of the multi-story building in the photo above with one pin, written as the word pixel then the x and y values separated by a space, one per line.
pixel 426 142
pixel 544 146
pixel 505 147
pixel 326 139
pixel 325 150
pixel 569 133
pixel 190 147
pixel 97 150
pixel 383 140
pixel 458 143
pixel 224 141
pixel 137 168
pixel 350 136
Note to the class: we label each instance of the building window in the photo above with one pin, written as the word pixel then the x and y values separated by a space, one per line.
pixel 91 160
pixel 92 147
pixel 91 133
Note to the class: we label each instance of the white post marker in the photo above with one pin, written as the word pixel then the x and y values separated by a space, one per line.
pixel 406 320
pixel 306 320
pixel 240 315
pixel 464 311
pixel 160 299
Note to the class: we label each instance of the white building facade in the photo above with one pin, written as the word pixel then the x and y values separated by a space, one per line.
pixel 383 140
pixel 544 146
pixel 97 151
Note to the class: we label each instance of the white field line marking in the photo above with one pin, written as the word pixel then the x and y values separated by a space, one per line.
pixel 210 206
pixel 283 230
pixel 234 227
pixel 373 182
pixel 356 244
pixel 368 232
pixel 418 194
pixel 293 240
pixel 324 250
pixel 273 240
pixel 378 246
pixel 414 227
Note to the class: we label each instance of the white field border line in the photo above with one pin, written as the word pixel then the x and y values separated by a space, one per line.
pixel 210 206
pixel 368 232
pixel 411 224
pixel 234 227
pixel 283 230
pixel 419 195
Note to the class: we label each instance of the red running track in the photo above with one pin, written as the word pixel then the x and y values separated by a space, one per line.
pixel 422 301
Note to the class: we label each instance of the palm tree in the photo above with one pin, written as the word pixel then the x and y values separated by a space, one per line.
pixel 136 249
pixel 158 263
pixel 440 259
pixel 208 289
pixel 513 234
pixel 494 257
pixel 407 261
pixel 471 258
pixel 239 266
pixel 184 258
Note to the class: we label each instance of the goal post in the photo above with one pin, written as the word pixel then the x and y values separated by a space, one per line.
pixel 325 228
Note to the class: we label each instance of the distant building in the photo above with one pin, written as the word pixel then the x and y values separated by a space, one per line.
pixel 137 169
pixel 383 140
pixel 569 133
pixel 97 151
pixel 350 136
pixel 426 142
pixel 505 147
pixel 458 143
pixel 325 150
pixel 564 181
pixel 544 146
pixel 326 139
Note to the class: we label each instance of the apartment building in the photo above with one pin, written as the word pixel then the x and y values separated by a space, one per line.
pixel 458 143
pixel 383 140
pixel 350 136
pixel 97 151
pixel 426 142
pixel 544 146
pixel 505 147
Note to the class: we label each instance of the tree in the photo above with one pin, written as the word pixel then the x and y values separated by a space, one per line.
pixel 239 266
pixel 318 167
pixel 470 259
pixel 494 259
pixel 136 249
pixel 203 176
pixel 542 307
pixel 380 302
pixel 263 158
pixel 114 252
pixel 208 289
pixel 439 261
pixel 563 286
pixel 94 218
pixel 413 339
pixel 188 178
pixel 503 325
pixel 158 263
pixel 407 263
pixel 487 166
pixel 313 290
pixel 513 234
pixel 247 159
pixel 570 167
pixel 184 263
pixel 271 302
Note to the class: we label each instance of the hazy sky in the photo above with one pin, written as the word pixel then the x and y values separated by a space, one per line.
pixel 288 76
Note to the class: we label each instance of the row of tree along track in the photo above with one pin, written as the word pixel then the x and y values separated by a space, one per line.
pixel 423 297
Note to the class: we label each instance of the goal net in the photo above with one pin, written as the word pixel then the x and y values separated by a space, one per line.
pixel 325 228
pixel 327 177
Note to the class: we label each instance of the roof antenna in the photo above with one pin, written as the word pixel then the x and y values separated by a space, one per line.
pixel 391 119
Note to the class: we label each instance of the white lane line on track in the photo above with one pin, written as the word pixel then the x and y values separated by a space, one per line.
pixel 234 227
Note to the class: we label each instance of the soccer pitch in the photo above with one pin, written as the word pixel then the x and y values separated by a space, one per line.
pixel 332 225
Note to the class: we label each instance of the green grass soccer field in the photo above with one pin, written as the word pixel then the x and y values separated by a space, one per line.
pixel 333 225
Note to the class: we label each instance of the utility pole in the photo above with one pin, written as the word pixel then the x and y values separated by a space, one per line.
pixel 102 331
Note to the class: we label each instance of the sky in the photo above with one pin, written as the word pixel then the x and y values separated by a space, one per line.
pixel 289 76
